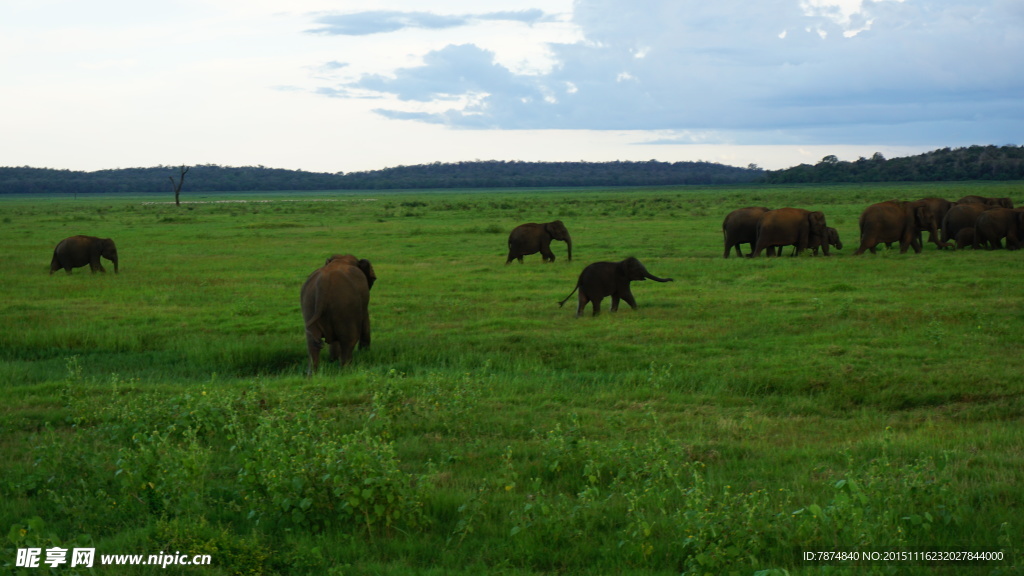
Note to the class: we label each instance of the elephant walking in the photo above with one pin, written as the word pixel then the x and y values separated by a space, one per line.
pixel 335 306
pixel 531 238
pixel 740 227
pixel 896 221
pixel 791 226
pixel 602 279
pixel 78 251
pixel 998 223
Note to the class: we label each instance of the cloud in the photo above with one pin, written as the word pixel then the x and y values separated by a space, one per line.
pixel 384 21
pixel 776 71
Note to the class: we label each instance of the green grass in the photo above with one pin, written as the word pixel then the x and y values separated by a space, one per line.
pixel 747 410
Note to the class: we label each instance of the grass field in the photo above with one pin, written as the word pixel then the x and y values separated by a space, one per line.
pixel 749 412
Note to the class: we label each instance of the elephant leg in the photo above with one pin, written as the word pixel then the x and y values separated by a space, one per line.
pixel 548 255
pixel 345 352
pixel 615 303
pixel 364 336
pixel 627 296
pixel 335 350
pixel 596 303
pixel 582 299
pixel 313 345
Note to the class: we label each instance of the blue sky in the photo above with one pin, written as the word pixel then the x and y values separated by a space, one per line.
pixel 342 85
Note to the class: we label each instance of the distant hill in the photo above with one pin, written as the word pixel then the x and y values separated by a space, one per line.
pixel 478 174
pixel 970 163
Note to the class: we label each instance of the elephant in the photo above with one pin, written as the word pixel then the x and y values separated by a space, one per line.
pixel 791 226
pixel 335 306
pixel 833 240
pixel 965 238
pixel 740 227
pixel 993 202
pixel 961 217
pixel 940 207
pixel 896 221
pixel 602 279
pixel 998 223
pixel 532 238
pixel 77 251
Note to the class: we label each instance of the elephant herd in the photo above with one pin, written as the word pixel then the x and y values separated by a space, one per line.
pixel 335 299
pixel 972 221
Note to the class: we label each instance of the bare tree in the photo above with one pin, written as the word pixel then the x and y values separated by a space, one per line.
pixel 177 186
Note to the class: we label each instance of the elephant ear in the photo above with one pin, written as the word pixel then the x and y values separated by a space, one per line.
pixel 367 269
pixel 921 215
pixel 632 269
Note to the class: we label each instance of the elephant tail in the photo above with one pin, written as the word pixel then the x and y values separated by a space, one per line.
pixel 560 304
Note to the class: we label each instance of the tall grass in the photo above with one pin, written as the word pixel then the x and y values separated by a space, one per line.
pixel 750 409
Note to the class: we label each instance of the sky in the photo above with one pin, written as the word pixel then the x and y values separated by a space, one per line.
pixel 343 85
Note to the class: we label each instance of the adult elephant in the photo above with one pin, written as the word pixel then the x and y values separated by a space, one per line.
pixel 896 221
pixel 791 226
pixel 961 217
pixel 740 227
pixel 335 306
pixel 531 238
pixel 77 251
pixel 998 223
pixel 994 202
pixel 602 279
pixel 940 207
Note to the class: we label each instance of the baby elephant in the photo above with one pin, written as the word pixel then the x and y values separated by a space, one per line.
pixel 335 306
pixel 602 279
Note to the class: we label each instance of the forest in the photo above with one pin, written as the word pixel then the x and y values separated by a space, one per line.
pixel 945 164
pixel 476 174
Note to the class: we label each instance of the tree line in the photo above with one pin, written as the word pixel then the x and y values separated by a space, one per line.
pixel 968 163
pixel 945 164
pixel 476 174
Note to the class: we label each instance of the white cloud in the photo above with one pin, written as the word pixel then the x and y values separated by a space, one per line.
pixel 840 71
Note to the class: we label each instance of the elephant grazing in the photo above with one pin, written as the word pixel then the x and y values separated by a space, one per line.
pixel 791 226
pixel 77 251
pixel 740 227
pixel 602 279
pixel 335 306
pixel 998 223
pixel 531 238
pixel 896 221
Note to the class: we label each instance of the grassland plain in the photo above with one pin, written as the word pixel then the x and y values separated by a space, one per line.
pixel 748 412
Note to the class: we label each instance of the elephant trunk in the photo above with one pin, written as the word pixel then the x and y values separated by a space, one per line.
pixel 656 279
pixel 115 265
pixel 568 244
